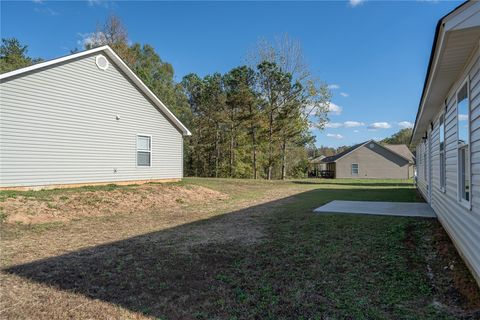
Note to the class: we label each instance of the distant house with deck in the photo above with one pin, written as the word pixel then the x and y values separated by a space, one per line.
pixel 85 119
pixel 316 166
pixel 447 131
pixel 372 160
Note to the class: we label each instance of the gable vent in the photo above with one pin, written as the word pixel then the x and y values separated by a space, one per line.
pixel 102 62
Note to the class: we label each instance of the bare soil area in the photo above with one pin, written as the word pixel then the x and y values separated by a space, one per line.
pixel 70 206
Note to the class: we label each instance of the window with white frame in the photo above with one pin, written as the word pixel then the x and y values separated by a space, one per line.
pixel 425 177
pixel 354 169
pixel 144 151
pixel 463 128
pixel 441 135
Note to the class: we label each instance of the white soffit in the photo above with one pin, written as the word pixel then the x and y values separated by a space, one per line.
pixel 457 38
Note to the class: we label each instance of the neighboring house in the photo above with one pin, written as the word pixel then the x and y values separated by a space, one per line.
pixel 372 160
pixel 447 131
pixel 315 166
pixel 82 119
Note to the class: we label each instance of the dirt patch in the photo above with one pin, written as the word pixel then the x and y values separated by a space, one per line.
pixel 69 206
pixel 456 288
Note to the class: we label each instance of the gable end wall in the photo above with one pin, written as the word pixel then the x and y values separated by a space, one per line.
pixel 58 126
pixel 378 164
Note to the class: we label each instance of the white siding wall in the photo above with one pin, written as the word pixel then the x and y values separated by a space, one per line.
pixel 422 178
pixel 462 224
pixel 58 126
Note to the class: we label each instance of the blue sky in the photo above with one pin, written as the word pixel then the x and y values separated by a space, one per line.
pixel 373 54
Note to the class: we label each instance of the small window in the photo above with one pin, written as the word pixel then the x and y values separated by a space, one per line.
pixel 425 164
pixel 355 169
pixel 463 128
pixel 144 151
pixel 442 152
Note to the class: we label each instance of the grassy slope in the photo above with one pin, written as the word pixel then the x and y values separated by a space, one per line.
pixel 303 266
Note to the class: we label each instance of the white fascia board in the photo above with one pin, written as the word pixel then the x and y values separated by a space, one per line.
pixel 467 15
pixel 50 62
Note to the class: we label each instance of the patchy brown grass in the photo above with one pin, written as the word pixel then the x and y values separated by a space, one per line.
pixel 70 206
pixel 251 250
pixel 173 227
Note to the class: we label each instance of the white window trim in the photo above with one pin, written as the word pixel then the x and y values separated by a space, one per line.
pixel 443 184
pixel 358 169
pixel 136 149
pixel 425 160
pixel 466 204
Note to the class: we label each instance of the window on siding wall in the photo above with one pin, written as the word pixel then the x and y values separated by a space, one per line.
pixel 442 152
pixel 144 151
pixel 463 128
pixel 355 169
pixel 425 162
pixel 418 157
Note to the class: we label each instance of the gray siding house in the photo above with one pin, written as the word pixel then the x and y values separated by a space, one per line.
pixel 447 131
pixel 82 119
pixel 371 160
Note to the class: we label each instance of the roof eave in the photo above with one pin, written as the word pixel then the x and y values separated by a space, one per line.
pixel 434 57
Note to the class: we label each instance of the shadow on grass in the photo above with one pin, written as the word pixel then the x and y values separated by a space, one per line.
pixel 304 265
pixel 360 184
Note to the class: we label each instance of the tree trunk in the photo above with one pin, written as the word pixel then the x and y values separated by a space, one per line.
pixel 232 155
pixel 284 158
pixel 197 164
pixel 270 147
pixel 217 151
pixel 254 151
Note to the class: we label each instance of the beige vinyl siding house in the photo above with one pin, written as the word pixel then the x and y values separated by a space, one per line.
pixel 82 119
pixel 447 131
pixel 371 160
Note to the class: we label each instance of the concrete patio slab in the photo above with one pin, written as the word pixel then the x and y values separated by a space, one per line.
pixel 403 209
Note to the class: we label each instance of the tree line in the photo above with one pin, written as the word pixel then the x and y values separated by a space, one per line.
pixel 250 122
pixel 253 121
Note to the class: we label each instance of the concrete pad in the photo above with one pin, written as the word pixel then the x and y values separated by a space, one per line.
pixel 403 209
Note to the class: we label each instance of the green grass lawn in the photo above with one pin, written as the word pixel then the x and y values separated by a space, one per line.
pixel 260 254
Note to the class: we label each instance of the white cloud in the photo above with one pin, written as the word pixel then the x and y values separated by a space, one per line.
pixel 462 117
pixel 335 136
pixel 334 109
pixel 346 124
pixel 355 3
pixel 405 124
pixel 351 124
pixel 379 125
pixel 333 125
pixel 94 2
pixel 47 11
pixel 103 3
pixel 333 86
pixel 356 131
pixel 91 38
pixel 344 94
